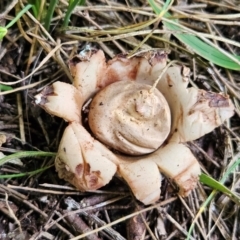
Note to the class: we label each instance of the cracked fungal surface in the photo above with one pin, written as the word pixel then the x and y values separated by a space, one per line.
pixel 137 130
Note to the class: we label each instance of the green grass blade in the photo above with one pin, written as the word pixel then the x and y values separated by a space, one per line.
pixel 204 50
pixel 35 7
pixel 165 7
pixel 201 48
pixel 49 14
pixel 8 176
pixel 4 87
pixel 3 32
pixel 72 4
pixel 26 154
pixel 207 180
pixel 24 10
pixel 211 196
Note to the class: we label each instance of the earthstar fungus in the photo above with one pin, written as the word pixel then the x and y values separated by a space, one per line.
pixel 136 130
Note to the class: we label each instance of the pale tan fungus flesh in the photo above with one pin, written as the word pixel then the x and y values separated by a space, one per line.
pixel 177 163
pixel 128 117
pixel 143 68
pixel 83 161
pixel 195 112
pixel 175 160
pixel 91 75
pixel 141 174
pixel 62 100
pixel 88 74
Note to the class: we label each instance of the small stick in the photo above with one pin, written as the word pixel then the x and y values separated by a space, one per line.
pixel 21 121
pixel 160 76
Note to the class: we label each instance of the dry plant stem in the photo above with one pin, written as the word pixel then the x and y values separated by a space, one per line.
pixel 201 228
pixel 204 18
pixel 5 48
pixel 22 198
pixel 79 225
pixel 216 80
pixel 10 6
pixel 232 80
pixel 160 229
pixel 49 37
pixel 119 36
pixel 99 222
pixel 12 214
pixel 140 45
pixel 53 213
pixel 92 200
pixel 34 41
pixel 114 234
pixel 205 155
pixel 9 74
pixel 18 9
pixel 83 227
pixel 129 6
pixel 32 85
pixel 136 228
pixel 47 185
pixel 211 230
pixel 226 83
pixel 91 208
pixel 77 192
pixel 236 224
pixel 3 52
pixel 219 4
pixel 46 33
pixel 12 192
pixel 196 199
pixel 45 191
pixel 99 27
pixel 148 228
pixel 106 216
pixel 214 16
pixel 61 62
pixel 21 121
pixel 56 56
pixel 74 205
pixel 191 6
pixel 123 8
pixel 221 225
pixel 144 11
pixel 209 27
pixel 127 217
pixel 36 69
pixel 177 225
pixel 44 235
pixel 27 214
pixel 45 133
pixel 13 42
pixel 219 33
